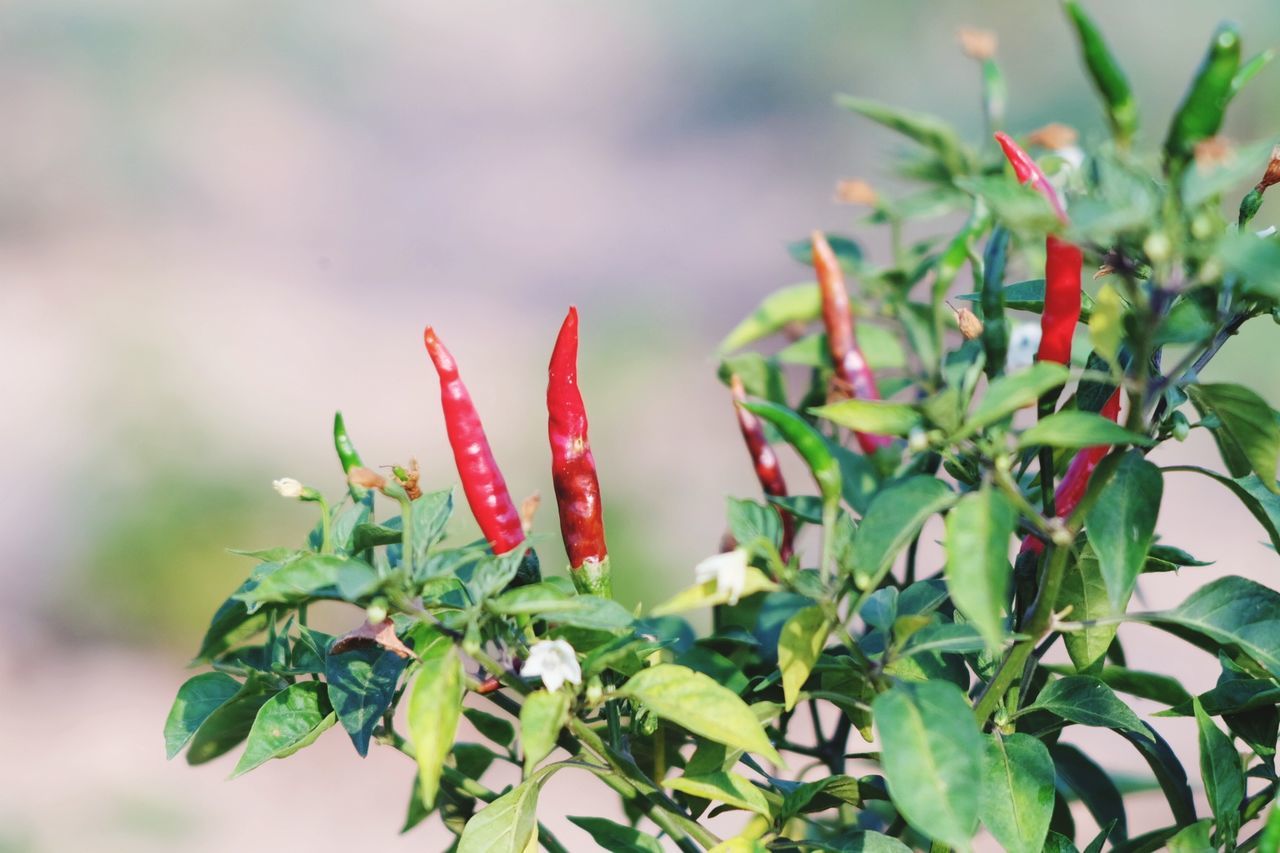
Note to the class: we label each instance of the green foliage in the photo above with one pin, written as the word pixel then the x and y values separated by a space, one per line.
pixel 858 639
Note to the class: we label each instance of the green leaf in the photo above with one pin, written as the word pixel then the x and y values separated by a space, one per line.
pixel 799 646
pixel 932 755
pixel 373 535
pixel 362 683
pixel 1245 164
pixel 430 512
pixel 1193 839
pixel 1145 685
pixel 232 623
pixel 1019 208
pixel 1017 792
pixel 1255 260
pixel 1235 612
pixel 542 716
pixel 197 698
pixel 1106 329
pixel 231 721
pixel 893 519
pixel 1072 428
pixel 799 303
pixel 435 703
pixel 750 521
pixel 1223 776
pixel 509 824
pixel 978 532
pixel 880 346
pixel 1270 840
pixel 530 600
pixel 871 416
pixel 1029 296
pixel 706 595
pixel 290 720
pixel 1093 785
pixel 724 787
pixel 1167 769
pixel 497 729
pixel 1009 393
pixel 615 837
pixel 1085 592
pixel 926 130
pixel 1088 701
pixel 1121 523
pixel 848 252
pixel 313 576
pixel 867 841
pixel 591 612
pixel 699 704
pixel 819 795
pixel 1249 437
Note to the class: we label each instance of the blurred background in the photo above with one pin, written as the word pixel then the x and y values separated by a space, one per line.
pixel 220 221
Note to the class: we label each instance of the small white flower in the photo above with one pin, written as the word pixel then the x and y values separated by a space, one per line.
pixel 728 570
pixel 1023 343
pixel 555 661
pixel 287 487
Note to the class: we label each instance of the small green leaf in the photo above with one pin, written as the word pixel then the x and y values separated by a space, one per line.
pixel 978 532
pixel 362 683
pixel 1088 701
pixel 1195 838
pixel 1009 393
pixel 1235 612
pixel 1121 523
pixel 1029 296
pixel 724 787
pixel 750 521
pixel 799 646
pixel 926 130
pixel 615 837
pixel 1249 436
pixel 799 303
pixel 932 755
pixel 542 716
pixel 848 252
pixel 1017 792
pixel 893 519
pixel 431 513
pixel 495 728
pixel 699 704
pixel 435 703
pixel 1085 592
pixel 1106 323
pixel 231 721
pixel 1072 428
pixel 529 600
pixel 510 823
pixel 197 698
pixel 313 576
pixel 867 841
pixel 871 416
pixel 1223 776
pixel 1270 840
pixel 290 720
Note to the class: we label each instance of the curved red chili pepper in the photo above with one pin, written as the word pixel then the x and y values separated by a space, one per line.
pixel 850 364
pixel 573 470
pixel 1063 263
pixel 482 482
pixel 768 471
pixel 1076 480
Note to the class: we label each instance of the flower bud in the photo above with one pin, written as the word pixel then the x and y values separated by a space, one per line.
pixel 970 325
pixel 376 613
pixel 977 44
pixel 1181 426
pixel 287 487
pixel 1157 246
pixel 917 440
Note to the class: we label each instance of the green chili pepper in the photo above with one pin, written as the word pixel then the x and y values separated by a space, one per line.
pixel 1108 77
pixel 808 442
pixel 349 457
pixel 1205 103
pixel 995 328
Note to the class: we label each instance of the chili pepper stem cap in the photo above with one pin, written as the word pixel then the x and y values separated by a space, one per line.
pixel 593 577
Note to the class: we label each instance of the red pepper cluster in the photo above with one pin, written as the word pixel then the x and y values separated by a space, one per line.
pixel 572 466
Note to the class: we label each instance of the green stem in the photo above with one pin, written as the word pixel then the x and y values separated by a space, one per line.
pixel 326 535
pixel 829 515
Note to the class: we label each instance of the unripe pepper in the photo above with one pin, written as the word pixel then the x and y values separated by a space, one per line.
pixel 573 469
pixel 1200 114
pixel 482 482
pixel 850 364
pixel 1108 77
pixel 349 458
pixel 765 461
pixel 1063 264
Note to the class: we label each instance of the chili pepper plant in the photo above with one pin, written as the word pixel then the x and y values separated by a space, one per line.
pixel 1026 378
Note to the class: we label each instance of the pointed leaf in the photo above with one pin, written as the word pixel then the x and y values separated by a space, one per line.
pixel 361 685
pixel 435 705
pixel 509 824
pixel 542 716
pixel 893 519
pixel 932 755
pixel 290 720
pixel 1088 701
pixel 799 646
pixel 1223 776
pixel 1235 612
pixel 728 788
pixel 1121 523
pixel 1017 792
pixel 1249 436
pixel 197 698
pixel 615 837
pixel 1009 393
pixel 1073 428
pixel 871 416
pixel 978 531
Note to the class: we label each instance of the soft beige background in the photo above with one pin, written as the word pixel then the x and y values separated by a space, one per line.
pixel 221 220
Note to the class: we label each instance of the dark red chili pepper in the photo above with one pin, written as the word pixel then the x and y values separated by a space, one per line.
pixel 482 482
pixel 1076 480
pixel 768 471
pixel 1063 263
pixel 573 469
pixel 850 364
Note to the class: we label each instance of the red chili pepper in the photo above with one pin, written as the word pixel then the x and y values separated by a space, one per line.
pixel 768 471
pixel 482 482
pixel 1063 263
pixel 1076 480
pixel 850 364
pixel 573 469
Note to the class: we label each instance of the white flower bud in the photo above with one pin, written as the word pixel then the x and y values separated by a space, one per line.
pixel 1024 341
pixel 728 570
pixel 287 487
